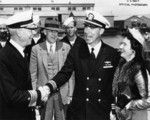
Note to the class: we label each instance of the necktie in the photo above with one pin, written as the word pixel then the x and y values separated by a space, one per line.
pixel 92 60
pixel 51 50
pixel 92 55
pixel 25 54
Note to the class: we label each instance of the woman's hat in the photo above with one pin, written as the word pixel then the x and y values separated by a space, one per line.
pixel 137 35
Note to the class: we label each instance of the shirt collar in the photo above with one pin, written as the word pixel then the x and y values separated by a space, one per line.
pixel 3 43
pixel 53 46
pixel 18 47
pixel 73 41
pixel 36 38
pixel 96 48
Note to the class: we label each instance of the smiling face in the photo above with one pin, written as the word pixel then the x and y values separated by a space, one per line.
pixel 125 49
pixel 92 34
pixel 51 35
pixel 25 35
pixel 71 29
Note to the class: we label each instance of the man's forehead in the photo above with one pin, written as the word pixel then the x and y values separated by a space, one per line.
pixel 3 26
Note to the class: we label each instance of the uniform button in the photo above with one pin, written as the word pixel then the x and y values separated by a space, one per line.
pixel 99 79
pixel 99 90
pixel 87 89
pixel 28 98
pixel 87 99
pixel 87 78
pixel 99 100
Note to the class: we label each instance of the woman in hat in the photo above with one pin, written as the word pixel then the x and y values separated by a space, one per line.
pixel 131 85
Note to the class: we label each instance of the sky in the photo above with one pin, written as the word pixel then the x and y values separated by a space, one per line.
pixel 105 7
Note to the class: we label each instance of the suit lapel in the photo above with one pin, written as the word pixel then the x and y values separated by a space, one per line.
pixel 84 61
pixel 61 50
pixel 0 46
pixel 19 58
pixel 44 54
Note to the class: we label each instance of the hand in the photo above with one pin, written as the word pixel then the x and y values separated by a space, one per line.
pixel 112 116
pixel 44 94
pixel 46 89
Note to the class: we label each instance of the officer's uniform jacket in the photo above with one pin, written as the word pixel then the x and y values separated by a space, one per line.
pixel 15 82
pixel 93 88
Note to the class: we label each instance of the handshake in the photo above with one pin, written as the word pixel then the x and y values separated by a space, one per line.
pixel 45 91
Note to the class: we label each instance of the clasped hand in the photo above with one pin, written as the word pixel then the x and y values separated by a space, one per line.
pixel 45 91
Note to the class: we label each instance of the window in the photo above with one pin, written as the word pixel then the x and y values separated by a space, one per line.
pixel 57 8
pixel 39 9
pixel 69 8
pixel 34 8
pixel 74 8
pixel 84 8
pixel 88 8
pixel 20 8
pixel 15 8
pixel 1 8
pixel 53 8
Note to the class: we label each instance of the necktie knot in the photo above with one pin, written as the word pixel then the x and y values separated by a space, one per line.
pixel 92 49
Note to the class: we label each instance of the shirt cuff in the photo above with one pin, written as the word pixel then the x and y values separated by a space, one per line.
pixel 128 105
pixel 33 99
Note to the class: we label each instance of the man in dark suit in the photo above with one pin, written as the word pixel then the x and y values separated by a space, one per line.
pixel 71 38
pixel 17 99
pixel 37 38
pixel 94 63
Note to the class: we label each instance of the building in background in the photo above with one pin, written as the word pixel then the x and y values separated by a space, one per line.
pixel 46 8
pixel 132 21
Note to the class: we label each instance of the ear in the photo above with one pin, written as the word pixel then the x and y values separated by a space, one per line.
pixel 75 28
pixel 44 31
pixel 102 31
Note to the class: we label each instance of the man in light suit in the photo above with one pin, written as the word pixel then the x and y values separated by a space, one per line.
pixel 46 60
pixel 94 63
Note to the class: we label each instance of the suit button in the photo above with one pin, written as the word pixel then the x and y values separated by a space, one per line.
pixel 99 100
pixel 99 79
pixel 99 90
pixel 87 99
pixel 87 89
pixel 87 78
